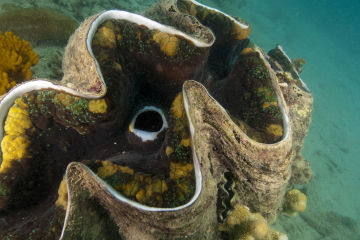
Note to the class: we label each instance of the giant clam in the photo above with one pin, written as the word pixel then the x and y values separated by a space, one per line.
pixel 162 124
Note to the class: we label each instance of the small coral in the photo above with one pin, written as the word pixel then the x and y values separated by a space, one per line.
pixel 241 224
pixel 16 58
pixel 295 201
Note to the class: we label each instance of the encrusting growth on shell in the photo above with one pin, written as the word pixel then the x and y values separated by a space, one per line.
pixel 241 224
pixel 63 196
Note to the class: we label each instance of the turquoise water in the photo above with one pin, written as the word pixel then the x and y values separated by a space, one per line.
pixel 326 33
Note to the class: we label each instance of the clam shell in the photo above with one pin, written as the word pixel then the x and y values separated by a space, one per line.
pixel 232 164
pixel 300 101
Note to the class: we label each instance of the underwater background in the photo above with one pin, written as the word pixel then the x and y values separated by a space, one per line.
pixel 325 33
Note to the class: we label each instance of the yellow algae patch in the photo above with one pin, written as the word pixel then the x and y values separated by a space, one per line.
pixel 185 142
pixel 192 10
pixel 63 195
pixel 15 142
pixel 140 195
pixel 105 37
pixel 97 106
pixel 130 188
pixel 118 66
pixel 268 98
pixel 138 35
pixel 118 37
pixel 156 186
pixel 169 150
pixel 177 111
pixel 247 51
pixel 108 169
pixel 14 148
pixel 177 107
pixel 65 99
pixel 269 104
pixel 18 119
pixel 164 186
pixel 264 91
pixel 168 43
pixel 148 190
pixel 275 129
pixel 159 186
pixel 180 170
pixel 240 32
pixel 185 187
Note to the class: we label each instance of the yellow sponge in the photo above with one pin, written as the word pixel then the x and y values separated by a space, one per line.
pixel 16 58
pixel 15 143
pixel 18 119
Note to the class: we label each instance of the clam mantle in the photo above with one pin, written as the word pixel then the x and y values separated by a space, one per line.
pixel 163 125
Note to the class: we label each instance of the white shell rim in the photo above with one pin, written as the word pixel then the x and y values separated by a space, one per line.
pixel 303 84
pixel 145 135
pixel 242 25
